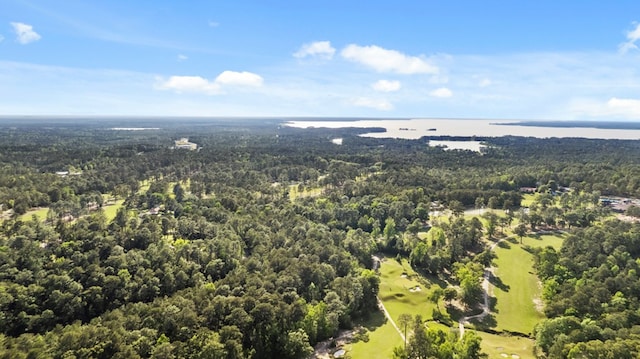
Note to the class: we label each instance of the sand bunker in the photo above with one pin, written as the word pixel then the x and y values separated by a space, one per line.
pixel 339 354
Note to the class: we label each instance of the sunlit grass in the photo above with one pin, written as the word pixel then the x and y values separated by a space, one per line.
pixel 111 209
pixel 40 213
pixel 398 283
pixel 528 199
pixel 295 193
pixel 515 307
pixel 504 346
pixel 397 292
pixel 380 344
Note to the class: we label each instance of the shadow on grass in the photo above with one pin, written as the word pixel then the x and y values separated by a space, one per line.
pixel 427 279
pixel 398 298
pixel 373 321
pixel 364 326
pixel 493 303
pixel 454 312
pixel 528 248
pixel 504 244
pixel 536 236
pixel 498 283
pixel 488 322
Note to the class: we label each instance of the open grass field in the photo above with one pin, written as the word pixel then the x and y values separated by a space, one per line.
pixel 538 241
pixel 527 199
pixel 40 213
pixel 516 288
pixel 398 290
pixel 294 193
pixel 515 307
pixel 398 294
pixel 503 346
pixel 381 341
pixel 111 210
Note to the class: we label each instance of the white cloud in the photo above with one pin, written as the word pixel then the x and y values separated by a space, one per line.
pixel 485 82
pixel 1 38
pixel 244 78
pixel 199 84
pixel 614 108
pixel 182 57
pixel 182 84
pixel 378 104
pixel 625 107
pixel 383 60
pixel 25 33
pixel 632 37
pixel 386 86
pixel 214 24
pixel 321 49
pixel 441 92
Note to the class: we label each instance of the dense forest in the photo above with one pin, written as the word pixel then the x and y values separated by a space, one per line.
pixel 259 243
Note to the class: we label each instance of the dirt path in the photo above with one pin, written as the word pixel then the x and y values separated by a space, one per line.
pixel 488 272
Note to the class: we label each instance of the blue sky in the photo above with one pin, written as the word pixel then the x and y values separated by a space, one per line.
pixel 560 60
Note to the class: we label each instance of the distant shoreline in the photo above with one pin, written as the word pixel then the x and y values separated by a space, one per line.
pixel 598 124
pixel 608 125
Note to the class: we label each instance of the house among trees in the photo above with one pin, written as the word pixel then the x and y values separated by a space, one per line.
pixel 528 189
pixel 184 143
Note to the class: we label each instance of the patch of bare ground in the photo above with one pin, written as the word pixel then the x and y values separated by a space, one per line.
pixel 325 349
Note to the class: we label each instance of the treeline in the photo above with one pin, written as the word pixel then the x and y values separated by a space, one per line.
pixel 591 289
pixel 214 254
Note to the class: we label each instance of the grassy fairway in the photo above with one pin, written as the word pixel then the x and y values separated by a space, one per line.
pixel 553 240
pixel 518 285
pixel 397 292
pixel 501 346
pixel 381 342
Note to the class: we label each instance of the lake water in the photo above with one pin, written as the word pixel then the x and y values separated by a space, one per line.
pixel 416 128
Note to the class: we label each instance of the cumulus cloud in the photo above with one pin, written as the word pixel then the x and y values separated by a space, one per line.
pixel 182 57
pixel 199 84
pixel 383 60
pixel 615 107
pixel 378 104
pixel 626 107
pixel 321 49
pixel 441 92
pixel 182 84
pixel 25 33
pixel 244 78
pixel 632 37
pixel 386 86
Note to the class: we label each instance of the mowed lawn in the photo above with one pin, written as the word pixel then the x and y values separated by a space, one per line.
pixel 502 346
pixel 381 342
pixel 398 294
pixel 398 283
pixel 520 289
